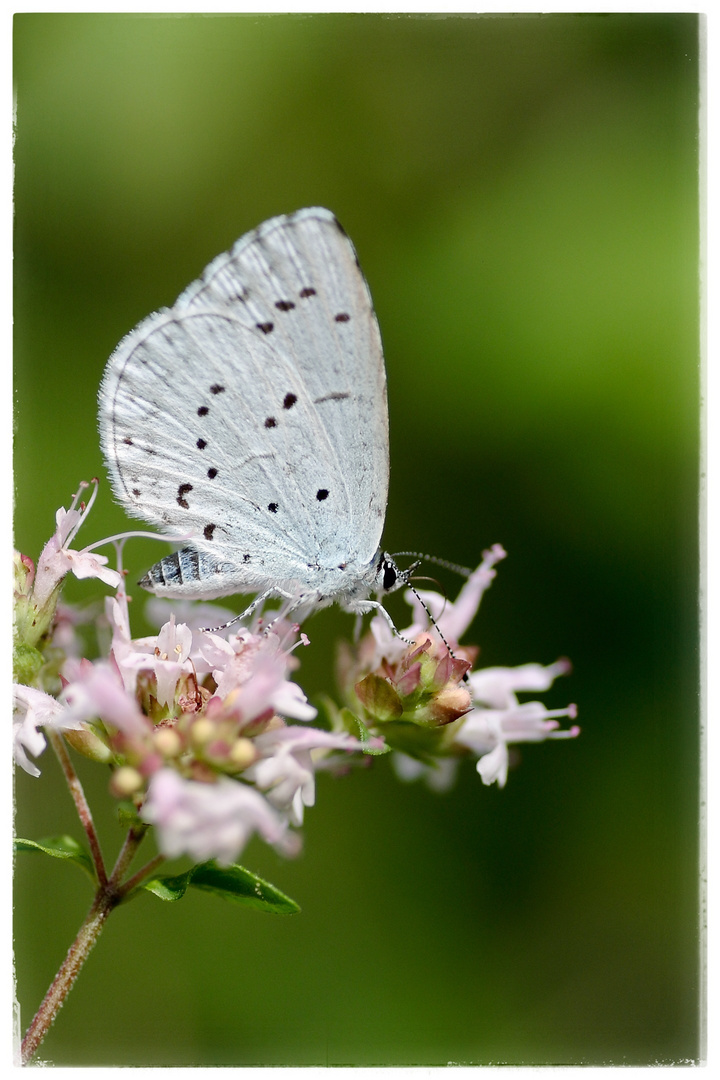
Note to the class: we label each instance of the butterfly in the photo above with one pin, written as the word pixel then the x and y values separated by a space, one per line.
pixel 251 418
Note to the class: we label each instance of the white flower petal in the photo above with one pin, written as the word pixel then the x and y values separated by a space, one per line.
pixel 211 821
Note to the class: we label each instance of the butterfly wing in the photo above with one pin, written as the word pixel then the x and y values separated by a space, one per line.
pixel 251 416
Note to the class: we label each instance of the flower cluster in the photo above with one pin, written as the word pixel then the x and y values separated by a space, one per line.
pixel 209 740
pixel 193 725
pixel 429 705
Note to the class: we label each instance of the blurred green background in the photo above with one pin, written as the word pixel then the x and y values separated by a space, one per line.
pixel 523 195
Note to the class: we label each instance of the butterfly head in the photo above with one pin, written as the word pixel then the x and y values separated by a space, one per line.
pixel 389 576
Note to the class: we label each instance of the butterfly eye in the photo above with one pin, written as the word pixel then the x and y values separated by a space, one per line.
pixel 389 576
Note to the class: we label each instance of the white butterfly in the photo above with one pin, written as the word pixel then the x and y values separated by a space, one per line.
pixel 251 417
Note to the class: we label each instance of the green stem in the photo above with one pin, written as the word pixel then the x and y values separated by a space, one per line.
pixel 81 803
pixel 109 895
pixel 145 871
pixel 105 900
pixel 127 854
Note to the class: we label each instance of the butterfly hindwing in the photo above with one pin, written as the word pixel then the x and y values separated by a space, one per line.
pixel 251 417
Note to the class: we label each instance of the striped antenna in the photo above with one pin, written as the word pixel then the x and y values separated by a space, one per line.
pixel 451 566
pixel 464 571
pixel 425 608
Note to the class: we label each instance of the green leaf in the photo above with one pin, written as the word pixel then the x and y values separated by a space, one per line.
pixel 60 847
pixel 231 882
pixel 27 661
pixel 354 725
pixel 128 815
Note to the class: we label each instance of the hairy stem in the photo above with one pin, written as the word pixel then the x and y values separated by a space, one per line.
pixel 142 873
pixel 81 804
pixel 109 894
pixel 105 900
pixel 127 853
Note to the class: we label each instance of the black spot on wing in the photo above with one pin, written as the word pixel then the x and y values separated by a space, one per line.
pixel 266 327
pixel 289 400
pixel 182 492
pixel 342 317
pixel 305 293
pixel 322 494
pixel 208 532
pixel 212 473
pixel 216 388
pixel 201 444
pixel 273 507
pixel 284 305
pixel 270 422
pixel 203 410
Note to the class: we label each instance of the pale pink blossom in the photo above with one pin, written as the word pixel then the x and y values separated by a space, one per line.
pixel 211 820
pixel 171 658
pixel 96 692
pixel 488 732
pixel 57 559
pixel 167 655
pixel 252 678
pixel 285 770
pixel 453 618
pixel 34 709
pixel 495 687
pixel 498 718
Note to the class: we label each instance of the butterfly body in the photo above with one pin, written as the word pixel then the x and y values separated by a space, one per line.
pixel 250 419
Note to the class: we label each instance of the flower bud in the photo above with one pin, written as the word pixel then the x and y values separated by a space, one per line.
pixel 167 742
pixel 86 742
pixel 126 782
pixel 242 753
pixel 201 732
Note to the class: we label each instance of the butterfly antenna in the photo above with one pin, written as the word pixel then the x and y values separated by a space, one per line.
pixel 427 612
pixel 464 571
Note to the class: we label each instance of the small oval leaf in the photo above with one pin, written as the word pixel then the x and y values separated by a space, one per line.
pixel 60 847
pixel 230 882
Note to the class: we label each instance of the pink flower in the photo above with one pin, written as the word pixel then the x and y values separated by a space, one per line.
pixel 96 692
pixel 496 687
pixel 34 709
pixel 57 558
pixel 453 619
pixel 167 655
pixel 286 769
pixel 170 658
pixel 211 820
pixel 497 718
pixel 250 676
pixel 487 733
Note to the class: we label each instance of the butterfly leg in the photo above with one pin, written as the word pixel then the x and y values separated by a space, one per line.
pixel 250 610
pixel 363 607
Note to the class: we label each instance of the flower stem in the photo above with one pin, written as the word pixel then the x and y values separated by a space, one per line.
pixel 105 900
pixel 110 893
pixel 81 803
pixel 127 853
pixel 142 873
